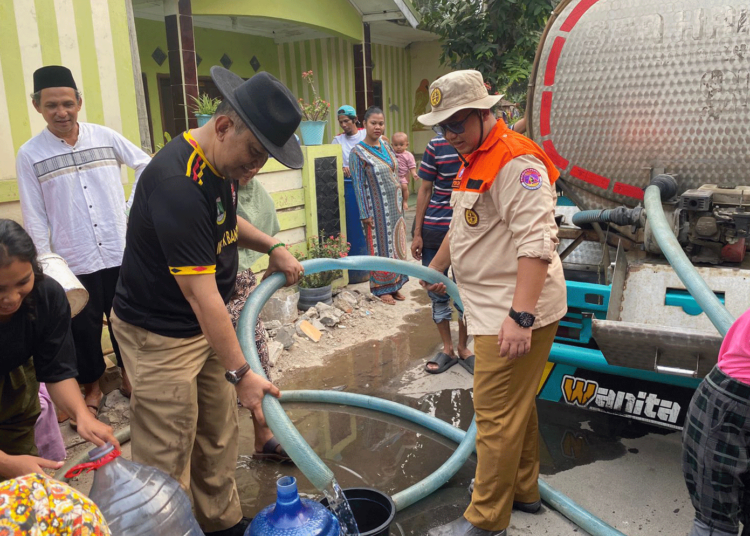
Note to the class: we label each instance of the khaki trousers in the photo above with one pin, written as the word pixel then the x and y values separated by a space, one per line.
pixel 183 418
pixel 507 428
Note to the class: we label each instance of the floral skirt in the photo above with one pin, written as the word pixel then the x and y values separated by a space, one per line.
pixel 244 286
pixel 39 506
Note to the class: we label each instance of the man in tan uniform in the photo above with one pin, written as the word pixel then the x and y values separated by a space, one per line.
pixel 502 244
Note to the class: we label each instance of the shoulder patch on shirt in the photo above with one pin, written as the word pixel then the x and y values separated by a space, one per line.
pixel 221 214
pixel 531 179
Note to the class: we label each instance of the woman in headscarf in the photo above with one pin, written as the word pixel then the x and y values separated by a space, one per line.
pixel 373 166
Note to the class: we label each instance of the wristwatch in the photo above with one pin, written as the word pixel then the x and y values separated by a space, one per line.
pixel 234 376
pixel 525 320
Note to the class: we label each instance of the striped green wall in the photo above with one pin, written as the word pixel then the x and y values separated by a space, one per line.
pixel 88 36
pixel 333 64
pixel 391 65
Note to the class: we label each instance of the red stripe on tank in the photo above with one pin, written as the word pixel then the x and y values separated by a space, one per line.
pixel 554 57
pixel 628 190
pixel 590 177
pixel 544 115
pixel 576 14
pixel 558 160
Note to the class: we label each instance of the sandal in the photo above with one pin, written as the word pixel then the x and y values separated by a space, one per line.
pixel 398 296
pixel 388 299
pixel 443 362
pixel 272 451
pixel 468 363
pixel 94 411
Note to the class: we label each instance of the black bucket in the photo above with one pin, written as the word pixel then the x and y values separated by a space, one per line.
pixel 373 511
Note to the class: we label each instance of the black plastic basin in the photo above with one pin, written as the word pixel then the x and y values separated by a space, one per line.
pixel 373 511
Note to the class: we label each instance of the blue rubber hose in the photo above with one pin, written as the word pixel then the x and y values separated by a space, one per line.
pixel 620 216
pixel 309 463
pixel 694 283
pixel 444 473
pixel 554 498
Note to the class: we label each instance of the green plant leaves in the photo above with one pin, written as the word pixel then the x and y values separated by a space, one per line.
pixel 496 37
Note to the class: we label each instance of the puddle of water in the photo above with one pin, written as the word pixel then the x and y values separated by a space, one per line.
pixel 362 448
pixel 369 367
pixel 368 449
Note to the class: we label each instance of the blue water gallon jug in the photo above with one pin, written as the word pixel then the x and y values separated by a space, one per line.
pixel 138 500
pixel 292 516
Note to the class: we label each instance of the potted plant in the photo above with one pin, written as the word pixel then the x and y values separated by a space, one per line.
pixel 316 288
pixel 204 108
pixel 314 115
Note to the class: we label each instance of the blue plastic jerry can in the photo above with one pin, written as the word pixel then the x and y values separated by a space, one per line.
pixel 293 516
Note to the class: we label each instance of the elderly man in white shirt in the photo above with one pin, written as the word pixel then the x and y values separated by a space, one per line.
pixel 73 204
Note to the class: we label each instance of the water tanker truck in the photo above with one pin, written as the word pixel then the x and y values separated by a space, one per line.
pixel 625 94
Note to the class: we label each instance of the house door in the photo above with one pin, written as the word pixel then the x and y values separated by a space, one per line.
pixel 205 85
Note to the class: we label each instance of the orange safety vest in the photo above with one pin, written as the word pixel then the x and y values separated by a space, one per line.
pixel 500 147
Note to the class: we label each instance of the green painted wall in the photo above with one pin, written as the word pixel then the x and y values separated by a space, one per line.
pixel 332 62
pixel 210 45
pixel 336 17
pixel 391 66
pixel 90 37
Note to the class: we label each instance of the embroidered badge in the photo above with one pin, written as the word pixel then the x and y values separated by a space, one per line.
pixel 436 97
pixel 531 179
pixel 456 183
pixel 472 218
pixel 221 214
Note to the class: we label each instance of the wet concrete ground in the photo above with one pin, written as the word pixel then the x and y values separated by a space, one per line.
pixel 625 472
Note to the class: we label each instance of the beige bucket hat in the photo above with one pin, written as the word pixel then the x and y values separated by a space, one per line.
pixel 456 91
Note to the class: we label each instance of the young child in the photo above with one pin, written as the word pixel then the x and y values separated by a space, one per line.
pixel 407 166
pixel 716 440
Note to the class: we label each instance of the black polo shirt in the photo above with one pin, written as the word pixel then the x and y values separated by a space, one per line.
pixel 183 222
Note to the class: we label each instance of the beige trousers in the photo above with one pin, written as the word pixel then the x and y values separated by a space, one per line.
pixel 507 428
pixel 183 418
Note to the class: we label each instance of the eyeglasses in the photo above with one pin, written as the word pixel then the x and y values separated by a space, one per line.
pixel 457 127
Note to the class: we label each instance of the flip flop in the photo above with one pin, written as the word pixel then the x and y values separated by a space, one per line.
pixel 398 296
pixel 467 363
pixel 272 451
pixel 95 412
pixel 388 299
pixel 443 362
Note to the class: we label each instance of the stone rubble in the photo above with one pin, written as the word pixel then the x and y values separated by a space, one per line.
pixel 350 308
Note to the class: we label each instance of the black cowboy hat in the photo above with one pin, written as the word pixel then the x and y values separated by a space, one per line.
pixel 268 108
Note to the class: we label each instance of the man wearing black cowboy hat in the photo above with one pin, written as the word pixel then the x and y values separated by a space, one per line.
pixel 177 275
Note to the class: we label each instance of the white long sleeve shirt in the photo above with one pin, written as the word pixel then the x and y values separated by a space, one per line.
pixel 72 198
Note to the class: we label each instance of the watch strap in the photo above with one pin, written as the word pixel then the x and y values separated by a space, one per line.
pixel 240 372
pixel 516 316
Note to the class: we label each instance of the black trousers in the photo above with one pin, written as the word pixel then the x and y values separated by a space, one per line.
pixel 87 325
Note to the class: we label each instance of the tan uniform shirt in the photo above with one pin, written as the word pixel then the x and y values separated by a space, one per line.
pixel 491 230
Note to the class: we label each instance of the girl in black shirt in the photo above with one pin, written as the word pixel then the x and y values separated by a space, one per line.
pixel 36 345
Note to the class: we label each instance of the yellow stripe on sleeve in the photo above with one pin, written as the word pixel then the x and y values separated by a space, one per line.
pixel 192 270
